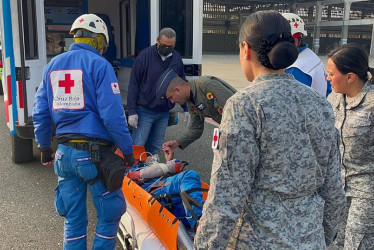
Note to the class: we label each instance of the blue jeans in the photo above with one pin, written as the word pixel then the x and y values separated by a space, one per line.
pixel 151 129
pixel 74 168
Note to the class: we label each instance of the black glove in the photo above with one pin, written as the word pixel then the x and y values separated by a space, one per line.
pixel 129 160
pixel 46 155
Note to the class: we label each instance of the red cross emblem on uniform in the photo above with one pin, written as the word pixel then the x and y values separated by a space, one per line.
pixel 67 84
pixel 215 138
pixel 296 25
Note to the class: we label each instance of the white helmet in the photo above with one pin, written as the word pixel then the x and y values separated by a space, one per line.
pixel 92 23
pixel 296 22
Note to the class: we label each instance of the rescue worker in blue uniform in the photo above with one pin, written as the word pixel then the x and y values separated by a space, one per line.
pixel 79 94
pixel 308 68
pixel 205 97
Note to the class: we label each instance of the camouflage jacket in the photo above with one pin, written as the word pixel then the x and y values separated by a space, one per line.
pixel 277 165
pixel 355 123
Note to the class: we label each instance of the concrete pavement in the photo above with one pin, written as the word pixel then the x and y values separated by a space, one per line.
pixel 229 69
pixel 226 67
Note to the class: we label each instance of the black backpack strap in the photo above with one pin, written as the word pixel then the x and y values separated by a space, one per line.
pixel 196 190
pixel 188 200
pixel 167 198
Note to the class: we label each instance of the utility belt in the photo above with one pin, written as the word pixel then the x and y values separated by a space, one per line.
pixel 84 144
pixel 110 167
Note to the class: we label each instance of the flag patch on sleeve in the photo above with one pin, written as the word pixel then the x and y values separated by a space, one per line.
pixel 210 96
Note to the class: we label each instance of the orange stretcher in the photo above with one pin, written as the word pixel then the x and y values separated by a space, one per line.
pixel 148 225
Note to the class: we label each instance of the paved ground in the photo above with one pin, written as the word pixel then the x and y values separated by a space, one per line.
pixel 28 219
pixel 226 67
pixel 229 69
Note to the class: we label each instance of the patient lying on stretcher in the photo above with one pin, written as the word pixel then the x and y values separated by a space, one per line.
pixel 177 190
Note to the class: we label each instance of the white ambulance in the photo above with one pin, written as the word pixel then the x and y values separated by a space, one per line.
pixel 33 31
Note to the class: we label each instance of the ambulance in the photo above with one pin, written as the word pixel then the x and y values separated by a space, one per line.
pixel 34 31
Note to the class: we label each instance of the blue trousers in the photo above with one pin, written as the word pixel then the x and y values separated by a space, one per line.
pixel 74 168
pixel 151 129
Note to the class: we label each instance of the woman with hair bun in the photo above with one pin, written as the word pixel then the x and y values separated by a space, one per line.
pixel 275 181
pixel 353 105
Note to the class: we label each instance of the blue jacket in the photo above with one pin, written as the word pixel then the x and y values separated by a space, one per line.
pixel 80 95
pixel 184 181
pixel 147 69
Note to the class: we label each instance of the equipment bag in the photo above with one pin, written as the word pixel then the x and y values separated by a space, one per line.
pixel 111 168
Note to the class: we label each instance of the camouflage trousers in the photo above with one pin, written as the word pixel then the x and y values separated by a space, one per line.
pixel 356 231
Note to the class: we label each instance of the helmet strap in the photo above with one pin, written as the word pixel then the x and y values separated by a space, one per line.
pixel 83 33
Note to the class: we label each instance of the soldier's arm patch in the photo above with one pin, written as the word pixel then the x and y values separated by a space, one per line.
pixel 215 138
pixel 210 96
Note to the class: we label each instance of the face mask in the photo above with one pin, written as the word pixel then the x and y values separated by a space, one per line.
pixel 164 51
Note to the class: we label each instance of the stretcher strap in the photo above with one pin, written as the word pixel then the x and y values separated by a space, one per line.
pixel 196 189
pixel 187 200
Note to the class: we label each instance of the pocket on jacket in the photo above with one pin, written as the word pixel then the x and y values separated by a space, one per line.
pixel 361 131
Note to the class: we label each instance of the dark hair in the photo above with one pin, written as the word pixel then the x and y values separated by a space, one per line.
pixel 352 58
pixel 301 42
pixel 176 81
pixel 269 34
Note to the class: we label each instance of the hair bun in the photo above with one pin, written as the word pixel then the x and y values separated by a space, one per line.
pixel 282 55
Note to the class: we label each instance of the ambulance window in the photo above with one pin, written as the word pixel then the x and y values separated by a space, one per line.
pixel 182 11
pixel 30 29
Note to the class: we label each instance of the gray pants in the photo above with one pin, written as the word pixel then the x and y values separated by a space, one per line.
pixel 356 231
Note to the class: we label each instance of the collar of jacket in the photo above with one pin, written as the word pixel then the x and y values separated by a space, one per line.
pixel 78 46
pixel 357 99
pixel 302 48
pixel 269 76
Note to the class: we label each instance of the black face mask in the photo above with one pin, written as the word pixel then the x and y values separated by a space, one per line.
pixel 164 50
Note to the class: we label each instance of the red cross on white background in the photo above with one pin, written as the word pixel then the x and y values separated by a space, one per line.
pixel 67 84
pixel 67 89
pixel 81 20
pixel 296 25
pixel 215 138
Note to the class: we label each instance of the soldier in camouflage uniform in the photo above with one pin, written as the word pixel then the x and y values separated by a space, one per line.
pixel 205 96
pixel 354 110
pixel 275 180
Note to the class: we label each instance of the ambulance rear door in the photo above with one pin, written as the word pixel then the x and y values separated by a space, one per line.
pixel 32 56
